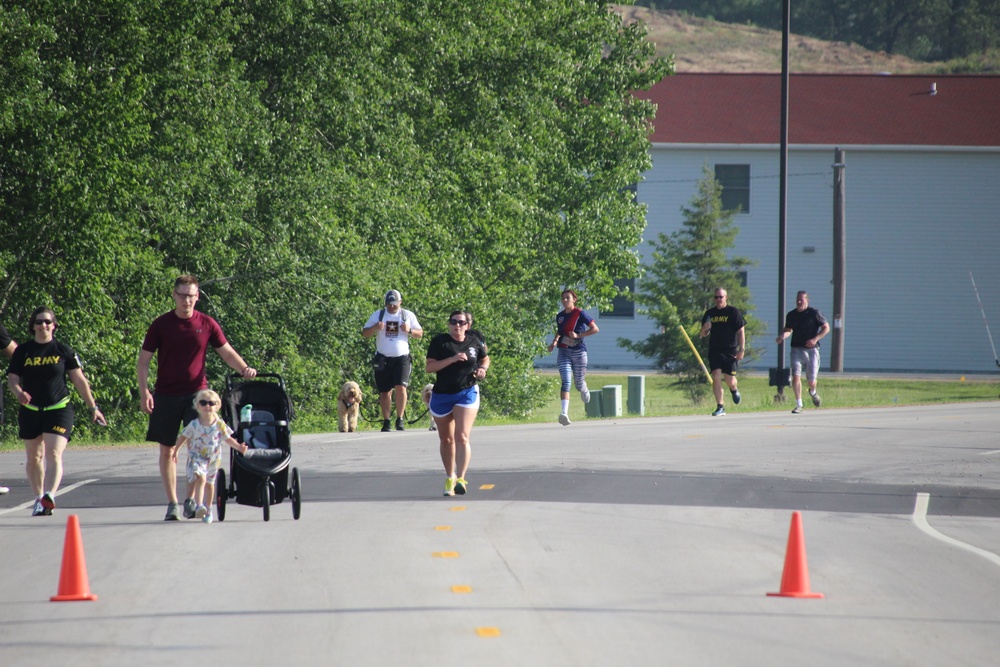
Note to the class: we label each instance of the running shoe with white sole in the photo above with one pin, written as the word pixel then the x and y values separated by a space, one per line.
pixel 39 509
pixel 797 410
pixel 173 512
pixel 190 507
pixel 585 395
pixel 461 486
pixel 201 512
pixel 816 401
pixel 48 503
pixel 719 412
pixel 449 486
pixel 564 420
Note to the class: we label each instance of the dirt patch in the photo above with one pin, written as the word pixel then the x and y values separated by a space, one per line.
pixel 703 45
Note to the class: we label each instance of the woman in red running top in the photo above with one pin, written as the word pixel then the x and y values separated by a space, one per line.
pixel 572 326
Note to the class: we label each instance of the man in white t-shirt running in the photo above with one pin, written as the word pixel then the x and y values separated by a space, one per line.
pixel 393 326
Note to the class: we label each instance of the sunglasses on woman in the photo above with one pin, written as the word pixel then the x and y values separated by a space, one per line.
pixel 457 323
pixel 41 322
pixel 206 404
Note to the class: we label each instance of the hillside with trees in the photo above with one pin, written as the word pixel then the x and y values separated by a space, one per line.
pixel 846 36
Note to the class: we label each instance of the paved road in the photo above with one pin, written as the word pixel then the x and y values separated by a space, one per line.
pixel 651 540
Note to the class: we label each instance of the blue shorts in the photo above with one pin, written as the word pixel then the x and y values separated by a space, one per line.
pixel 442 404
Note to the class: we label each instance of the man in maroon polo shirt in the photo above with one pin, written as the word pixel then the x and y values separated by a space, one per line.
pixel 180 340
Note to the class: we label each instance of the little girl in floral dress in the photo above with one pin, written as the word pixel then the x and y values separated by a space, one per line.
pixel 204 437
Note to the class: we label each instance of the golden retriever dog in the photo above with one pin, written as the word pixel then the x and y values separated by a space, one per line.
pixel 425 395
pixel 348 401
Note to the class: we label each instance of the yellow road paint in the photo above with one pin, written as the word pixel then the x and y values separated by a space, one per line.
pixel 461 589
pixel 488 632
pixel 459 508
pixel 445 554
pixel 442 527
pixel 486 487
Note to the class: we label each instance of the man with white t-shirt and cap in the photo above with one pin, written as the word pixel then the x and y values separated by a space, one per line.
pixel 393 326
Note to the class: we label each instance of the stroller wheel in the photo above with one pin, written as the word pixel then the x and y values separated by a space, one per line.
pixel 220 494
pixel 296 494
pixel 265 498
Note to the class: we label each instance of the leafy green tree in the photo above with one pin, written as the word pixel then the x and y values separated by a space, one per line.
pixel 304 156
pixel 679 282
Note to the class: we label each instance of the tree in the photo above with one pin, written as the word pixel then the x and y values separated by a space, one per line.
pixel 686 267
pixel 304 156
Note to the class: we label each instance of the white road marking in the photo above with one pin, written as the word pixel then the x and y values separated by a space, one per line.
pixel 920 520
pixel 31 503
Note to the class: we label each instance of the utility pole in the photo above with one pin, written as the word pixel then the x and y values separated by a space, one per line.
pixel 779 376
pixel 839 263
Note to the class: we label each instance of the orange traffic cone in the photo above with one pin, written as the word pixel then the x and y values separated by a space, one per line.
pixel 73 584
pixel 795 577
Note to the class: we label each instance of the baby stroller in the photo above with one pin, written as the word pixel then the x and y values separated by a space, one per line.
pixel 260 479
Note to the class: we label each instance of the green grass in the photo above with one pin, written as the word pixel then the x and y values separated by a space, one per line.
pixel 665 400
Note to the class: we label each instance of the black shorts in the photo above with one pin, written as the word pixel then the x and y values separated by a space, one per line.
pixel 395 372
pixel 724 361
pixel 169 413
pixel 33 423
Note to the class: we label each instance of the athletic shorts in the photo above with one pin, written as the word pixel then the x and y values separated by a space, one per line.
pixel 442 404
pixel 724 361
pixel 806 358
pixel 33 423
pixel 396 373
pixel 169 414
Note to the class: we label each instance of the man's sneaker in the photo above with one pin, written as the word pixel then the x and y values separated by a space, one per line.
pixel 189 507
pixel 719 412
pixel 400 426
pixel 207 518
pixel 386 426
pixel 449 486
pixel 39 509
pixel 736 397
pixel 461 486
pixel 4 489
pixel 816 400
pixel 201 512
pixel 585 395
pixel 564 420
pixel 797 410
pixel 173 512
pixel 48 502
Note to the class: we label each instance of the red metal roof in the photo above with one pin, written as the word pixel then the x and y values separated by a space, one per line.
pixel 828 109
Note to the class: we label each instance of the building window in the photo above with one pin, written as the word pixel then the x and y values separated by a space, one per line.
pixel 622 306
pixel 735 180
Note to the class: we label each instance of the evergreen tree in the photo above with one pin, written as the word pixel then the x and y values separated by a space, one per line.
pixel 678 285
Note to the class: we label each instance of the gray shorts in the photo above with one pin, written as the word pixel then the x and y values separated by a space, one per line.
pixel 806 358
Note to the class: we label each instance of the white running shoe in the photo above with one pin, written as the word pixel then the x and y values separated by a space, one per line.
pixel 564 420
